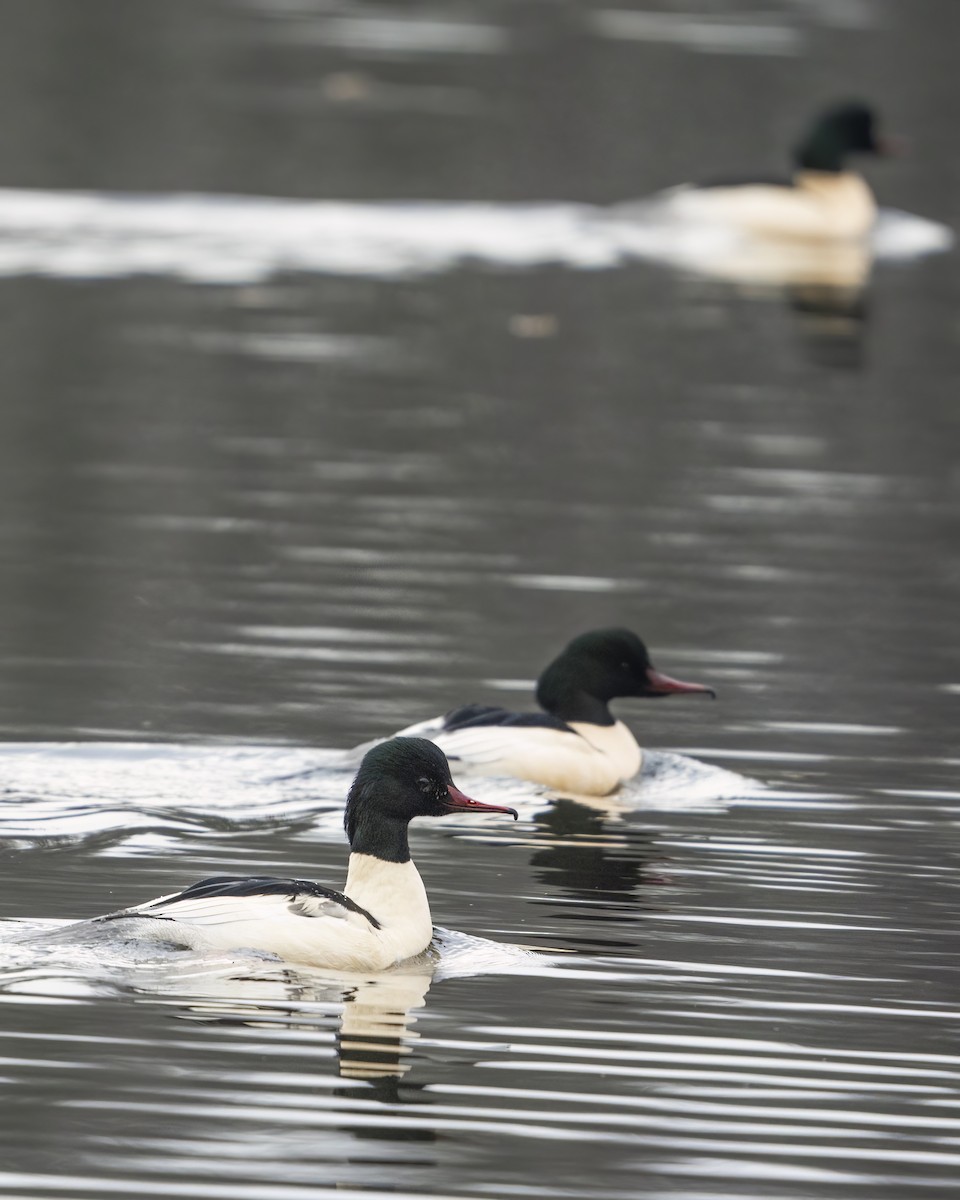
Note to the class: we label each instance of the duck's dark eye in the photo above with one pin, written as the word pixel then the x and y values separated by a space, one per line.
pixel 424 784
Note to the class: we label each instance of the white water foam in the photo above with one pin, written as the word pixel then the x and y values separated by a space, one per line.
pixel 239 240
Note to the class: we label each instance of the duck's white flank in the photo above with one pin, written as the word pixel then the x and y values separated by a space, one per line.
pixel 309 929
pixel 590 760
pixel 821 204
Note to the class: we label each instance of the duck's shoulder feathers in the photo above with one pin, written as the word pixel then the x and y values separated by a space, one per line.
pixel 482 716
pixel 737 181
pixel 473 716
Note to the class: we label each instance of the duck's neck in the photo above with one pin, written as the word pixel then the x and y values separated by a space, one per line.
pixel 377 835
pixel 392 892
pixel 829 184
pixel 571 703
pixel 821 150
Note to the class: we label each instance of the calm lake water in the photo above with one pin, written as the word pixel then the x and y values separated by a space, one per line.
pixel 279 476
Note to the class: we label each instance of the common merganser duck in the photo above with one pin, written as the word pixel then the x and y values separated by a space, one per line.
pixel 575 744
pixel 822 200
pixel 379 919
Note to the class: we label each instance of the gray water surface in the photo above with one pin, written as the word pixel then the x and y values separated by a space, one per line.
pixel 251 521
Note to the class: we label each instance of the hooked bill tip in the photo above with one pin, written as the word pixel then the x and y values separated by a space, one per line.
pixel 458 802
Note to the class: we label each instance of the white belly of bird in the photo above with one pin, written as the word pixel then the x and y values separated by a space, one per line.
pixel 593 760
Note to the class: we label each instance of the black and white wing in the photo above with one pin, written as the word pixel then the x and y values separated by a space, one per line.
pixel 229 899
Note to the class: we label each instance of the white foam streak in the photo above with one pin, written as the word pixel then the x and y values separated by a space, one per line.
pixel 236 239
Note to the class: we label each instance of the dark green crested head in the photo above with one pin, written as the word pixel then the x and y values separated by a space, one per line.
pixel 399 779
pixel 838 133
pixel 595 668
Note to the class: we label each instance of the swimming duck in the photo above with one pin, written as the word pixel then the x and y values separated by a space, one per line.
pixel 381 917
pixel 575 744
pixel 823 199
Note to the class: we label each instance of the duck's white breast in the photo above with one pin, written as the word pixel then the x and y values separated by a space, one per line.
pixel 395 895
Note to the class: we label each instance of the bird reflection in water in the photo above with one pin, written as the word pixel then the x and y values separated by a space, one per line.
pixel 832 323
pixel 375 1011
pixel 375 1028
pixel 585 860
pixel 824 285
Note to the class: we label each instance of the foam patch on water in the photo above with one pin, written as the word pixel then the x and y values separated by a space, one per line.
pixel 238 240
pixel 901 235
pixel 67 792
pixel 674 781
pixel 223 239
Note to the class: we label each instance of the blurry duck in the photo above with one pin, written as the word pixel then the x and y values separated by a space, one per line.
pixel 382 916
pixel 824 198
pixel 574 745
